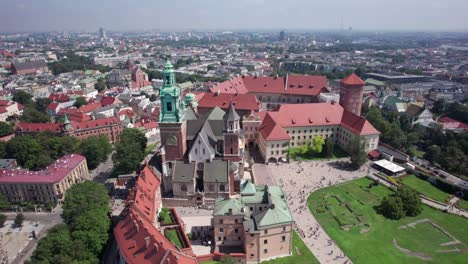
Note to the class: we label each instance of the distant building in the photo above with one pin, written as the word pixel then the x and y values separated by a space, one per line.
pixel 9 108
pixel 102 33
pixel 29 67
pixel 282 35
pixel 110 127
pixel 257 224
pixel 48 185
pixel 274 91
pixel 131 77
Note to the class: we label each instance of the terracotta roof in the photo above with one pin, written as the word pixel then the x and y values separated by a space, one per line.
pixel 357 124
pixel 315 114
pixel 374 153
pixel 95 123
pixel 59 97
pixel 89 107
pixel 352 79
pixel 270 130
pixel 138 238
pixel 292 84
pixel 244 102
pixel 52 106
pixel 107 100
pixel 450 123
pixel 38 127
pixel 126 112
pixel 52 174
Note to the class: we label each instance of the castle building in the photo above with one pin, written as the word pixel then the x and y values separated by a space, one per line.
pixel 48 185
pixel 257 224
pixel 351 93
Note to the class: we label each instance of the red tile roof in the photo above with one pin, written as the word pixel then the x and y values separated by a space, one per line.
pixel 138 239
pixel 244 102
pixel 270 130
pixel 374 153
pixel 59 97
pixel 52 174
pixel 52 106
pixel 38 127
pixel 126 112
pixel 89 107
pixel 292 84
pixel 352 79
pixel 450 123
pixel 107 100
pixel 315 114
pixel 5 102
pixel 95 123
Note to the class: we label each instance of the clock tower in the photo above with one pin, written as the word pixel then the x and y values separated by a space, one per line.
pixel 171 119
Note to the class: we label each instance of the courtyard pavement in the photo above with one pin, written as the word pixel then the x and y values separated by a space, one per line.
pixel 197 221
pixel 299 180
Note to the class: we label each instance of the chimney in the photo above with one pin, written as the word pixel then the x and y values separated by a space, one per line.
pixel 230 211
pixel 147 241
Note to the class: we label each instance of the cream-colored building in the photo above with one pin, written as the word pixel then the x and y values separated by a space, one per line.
pixel 294 125
pixel 48 185
pixel 258 224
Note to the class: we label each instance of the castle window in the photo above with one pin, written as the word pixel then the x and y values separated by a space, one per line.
pixel 183 187
pixel 169 106
pixel 221 188
pixel 203 151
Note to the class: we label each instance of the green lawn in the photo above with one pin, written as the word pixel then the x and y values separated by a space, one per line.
pixel 374 244
pixel 462 204
pixel 425 188
pixel 151 148
pixel 165 216
pixel 301 254
pixel 172 236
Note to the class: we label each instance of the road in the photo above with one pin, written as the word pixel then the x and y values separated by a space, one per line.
pixel 447 176
pixel 103 170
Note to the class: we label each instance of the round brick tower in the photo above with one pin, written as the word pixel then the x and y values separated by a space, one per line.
pixel 351 93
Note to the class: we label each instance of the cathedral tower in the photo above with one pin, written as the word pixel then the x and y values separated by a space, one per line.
pixel 233 135
pixel 171 119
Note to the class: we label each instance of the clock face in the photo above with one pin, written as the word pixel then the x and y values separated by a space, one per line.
pixel 172 140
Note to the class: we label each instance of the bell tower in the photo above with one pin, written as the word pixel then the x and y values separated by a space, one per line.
pixel 171 119
pixel 233 135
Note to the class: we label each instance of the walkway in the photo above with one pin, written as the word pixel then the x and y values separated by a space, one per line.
pixel 300 180
pixel 444 207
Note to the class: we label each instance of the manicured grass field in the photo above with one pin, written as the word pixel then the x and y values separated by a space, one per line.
pixel 172 236
pixel 425 188
pixel 374 243
pixel 165 216
pixel 301 254
pixel 462 204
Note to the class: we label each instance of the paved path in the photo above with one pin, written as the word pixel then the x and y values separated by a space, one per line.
pixel 448 207
pixel 299 180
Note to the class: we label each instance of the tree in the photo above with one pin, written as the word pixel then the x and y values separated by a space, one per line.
pixel 454 160
pixel 317 144
pixel 31 115
pixel 42 103
pixel 100 85
pixel 5 129
pixel 80 101
pixel 358 156
pixel 153 98
pixel 433 153
pixel 56 245
pixel 19 219
pixel 328 149
pixel 392 208
pixel 129 151
pixel 22 97
pixel 4 203
pixel 96 150
pixel 411 202
pixel 26 150
pixel 3 219
pixel 439 107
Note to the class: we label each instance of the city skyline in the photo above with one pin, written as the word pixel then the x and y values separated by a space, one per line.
pixel 182 15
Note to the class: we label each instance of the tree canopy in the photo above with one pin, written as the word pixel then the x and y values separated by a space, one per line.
pixel 129 151
pixel 80 101
pixel 358 156
pixel 6 129
pixel 404 202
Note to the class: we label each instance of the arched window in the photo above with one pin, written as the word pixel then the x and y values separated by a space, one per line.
pixel 221 188
pixel 183 187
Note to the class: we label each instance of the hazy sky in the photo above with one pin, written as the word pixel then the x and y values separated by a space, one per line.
pixel 44 15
